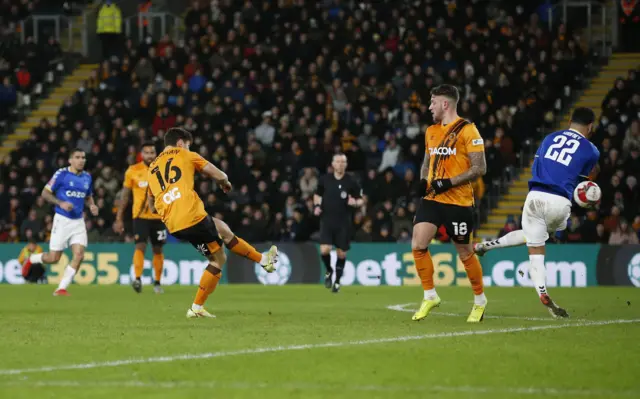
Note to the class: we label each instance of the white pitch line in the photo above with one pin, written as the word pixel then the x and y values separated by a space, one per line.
pixel 402 308
pixel 544 391
pixel 252 351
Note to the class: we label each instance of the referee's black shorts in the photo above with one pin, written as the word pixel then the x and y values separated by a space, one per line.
pixel 457 220
pixel 337 235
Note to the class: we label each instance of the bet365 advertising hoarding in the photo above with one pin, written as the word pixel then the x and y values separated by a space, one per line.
pixel 367 264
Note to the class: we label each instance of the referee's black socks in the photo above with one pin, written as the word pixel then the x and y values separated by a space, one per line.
pixel 326 259
pixel 339 268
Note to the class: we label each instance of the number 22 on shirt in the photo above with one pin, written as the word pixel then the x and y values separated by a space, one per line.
pixel 562 150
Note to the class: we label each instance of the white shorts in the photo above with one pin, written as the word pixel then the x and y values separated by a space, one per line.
pixel 544 213
pixel 66 232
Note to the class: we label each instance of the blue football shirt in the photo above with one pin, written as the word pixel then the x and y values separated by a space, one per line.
pixel 562 161
pixel 71 187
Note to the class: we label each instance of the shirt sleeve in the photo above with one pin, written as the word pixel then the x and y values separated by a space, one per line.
pixel 54 183
pixel 320 189
pixel 356 190
pixel 198 161
pixel 426 141
pixel 90 189
pixel 473 141
pixel 593 161
pixel 128 179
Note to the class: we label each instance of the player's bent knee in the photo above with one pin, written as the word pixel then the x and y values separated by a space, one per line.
pixel 325 249
pixel 224 230
pixel 465 251
pixel 341 253
pixel 55 256
pixel 157 250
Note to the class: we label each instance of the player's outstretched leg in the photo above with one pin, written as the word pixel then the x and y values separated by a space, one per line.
pixel 138 266
pixel 474 273
pixel 208 283
pixel 537 272
pixel 240 247
pixel 513 239
pixel 158 264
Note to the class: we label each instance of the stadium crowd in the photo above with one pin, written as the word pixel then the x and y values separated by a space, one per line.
pixel 272 90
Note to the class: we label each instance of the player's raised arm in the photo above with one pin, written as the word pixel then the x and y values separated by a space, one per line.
pixel 211 171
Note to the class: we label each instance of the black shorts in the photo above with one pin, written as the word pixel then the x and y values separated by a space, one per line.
pixel 150 229
pixel 457 220
pixel 337 235
pixel 203 236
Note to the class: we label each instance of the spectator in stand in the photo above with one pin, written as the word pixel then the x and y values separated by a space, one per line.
pixel 623 234
pixel 261 99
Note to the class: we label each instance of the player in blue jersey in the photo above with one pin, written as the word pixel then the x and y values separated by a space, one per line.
pixel 68 190
pixel 563 160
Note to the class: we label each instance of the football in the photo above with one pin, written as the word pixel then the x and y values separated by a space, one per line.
pixel 587 194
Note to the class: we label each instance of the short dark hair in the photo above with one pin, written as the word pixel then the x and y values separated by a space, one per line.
pixel 583 116
pixel 448 91
pixel 176 134
pixel 148 144
pixel 76 149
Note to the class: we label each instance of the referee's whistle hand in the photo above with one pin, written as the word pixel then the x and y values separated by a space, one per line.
pixel 317 211
pixel 352 201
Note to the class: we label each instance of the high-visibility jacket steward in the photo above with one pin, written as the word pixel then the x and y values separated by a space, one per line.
pixel 109 19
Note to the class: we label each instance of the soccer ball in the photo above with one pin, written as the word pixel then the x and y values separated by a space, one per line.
pixel 587 194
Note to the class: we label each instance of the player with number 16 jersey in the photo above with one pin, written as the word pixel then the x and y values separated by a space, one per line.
pixel 171 178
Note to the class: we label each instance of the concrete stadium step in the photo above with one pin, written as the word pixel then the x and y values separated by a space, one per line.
pixel 497 219
pixel 510 204
pixel 515 197
pixel 625 56
pixel 48 108
pixel 45 113
pixel 506 212
pixel 493 226
pixel 487 233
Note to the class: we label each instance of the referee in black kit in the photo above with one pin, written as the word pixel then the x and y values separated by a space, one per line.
pixel 337 195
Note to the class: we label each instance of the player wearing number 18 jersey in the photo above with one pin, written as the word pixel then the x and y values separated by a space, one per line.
pixel 146 224
pixel 454 157
pixel 171 179
pixel 563 159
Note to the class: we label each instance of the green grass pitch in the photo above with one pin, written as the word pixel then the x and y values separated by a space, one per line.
pixel 304 342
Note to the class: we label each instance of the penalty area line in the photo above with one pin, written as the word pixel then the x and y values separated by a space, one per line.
pixel 287 348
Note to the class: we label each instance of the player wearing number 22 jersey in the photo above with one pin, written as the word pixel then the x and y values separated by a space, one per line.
pixel 562 160
pixel 147 225
pixel 454 158
pixel 171 178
